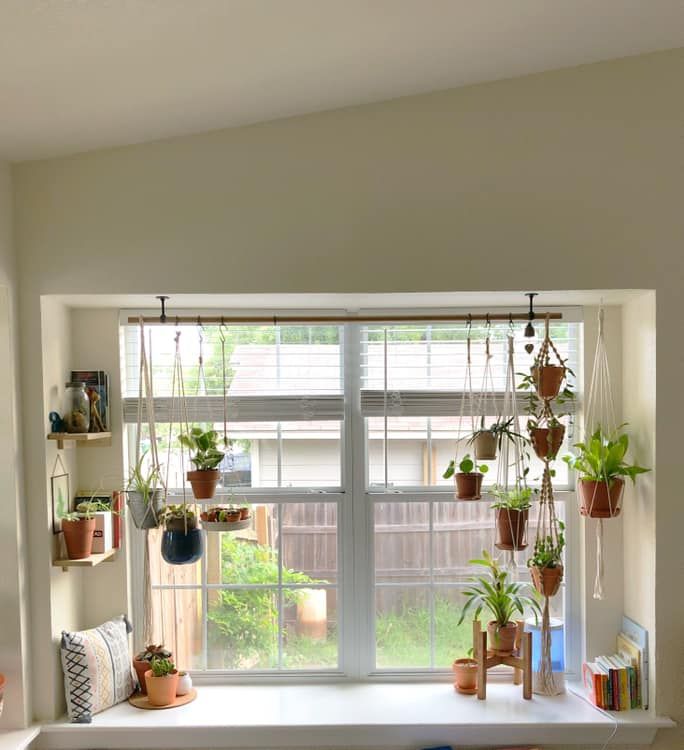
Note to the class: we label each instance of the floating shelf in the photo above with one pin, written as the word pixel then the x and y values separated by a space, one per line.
pixel 85 562
pixel 77 437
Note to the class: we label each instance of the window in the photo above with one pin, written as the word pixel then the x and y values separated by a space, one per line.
pixel 357 554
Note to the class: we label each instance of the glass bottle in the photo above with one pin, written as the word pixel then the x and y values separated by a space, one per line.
pixel 76 408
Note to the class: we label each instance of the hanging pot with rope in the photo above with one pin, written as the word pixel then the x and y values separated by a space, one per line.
pixel 207 458
pixel 182 542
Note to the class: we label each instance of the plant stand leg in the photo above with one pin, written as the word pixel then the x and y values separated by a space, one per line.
pixel 482 666
pixel 527 665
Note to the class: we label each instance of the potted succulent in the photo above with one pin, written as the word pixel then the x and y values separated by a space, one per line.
pixel 546 431
pixel 486 440
pixel 546 563
pixel 184 684
pixel 206 459
pixel 465 674
pixel 181 541
pixel 162 682
pixel 144 499
pixel 602 467
pixel 512 511
pixel 468 477
pixel 142 662
pixel 78 528
pixel 502 599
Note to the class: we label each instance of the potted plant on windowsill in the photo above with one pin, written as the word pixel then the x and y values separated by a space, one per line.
pixel 512 511
pixel 182 540
pixel 602 467
pixel 486 440
pixel 162 682
pixel 206 459
pixel 468 477
pixel 502 599
pixel 144 499
pixel 143 660
pixel 546 563
pixel 465 674
pixel 78 528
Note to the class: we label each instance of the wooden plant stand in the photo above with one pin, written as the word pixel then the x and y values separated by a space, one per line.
pixel 520 659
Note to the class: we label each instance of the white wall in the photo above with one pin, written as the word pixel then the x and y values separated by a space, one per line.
pixel 570 179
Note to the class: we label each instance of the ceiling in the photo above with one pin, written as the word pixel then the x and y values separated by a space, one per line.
pixel 77 75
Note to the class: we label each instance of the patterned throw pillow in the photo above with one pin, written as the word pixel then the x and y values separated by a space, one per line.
pixel 97 669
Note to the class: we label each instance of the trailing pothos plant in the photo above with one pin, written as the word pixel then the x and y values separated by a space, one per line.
pixel 534 406
pixel 516 498
pixel 548 553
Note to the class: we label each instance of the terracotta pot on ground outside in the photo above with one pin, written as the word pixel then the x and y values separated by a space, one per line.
pixel 78 537
pixel 161 691
pixel 598 501
pixel 203 483
pixel 547 581
pixel 501 639
pixel 484 445
pixel 468 485
pixel 546 441
pixel 548 380
pixel 465 673
pixel 511 528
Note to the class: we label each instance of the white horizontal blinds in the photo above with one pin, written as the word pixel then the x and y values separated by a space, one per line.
pixel 426 366
pixel 275 373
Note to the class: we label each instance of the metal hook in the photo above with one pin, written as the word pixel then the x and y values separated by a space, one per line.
pixel 162 298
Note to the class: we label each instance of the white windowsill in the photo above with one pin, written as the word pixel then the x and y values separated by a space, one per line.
pixel 354 715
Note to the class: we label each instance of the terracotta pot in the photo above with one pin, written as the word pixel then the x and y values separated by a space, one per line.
pixel 465 672
pixel 161 691
pixel 468 485
pixel 141 668
pixel 244 513
pixel 546 441
pixel 511 526
pixel 233 516
pixel 203 483
pixel 501 639
pixel 78 536
pixel 547 581
pixel 601 499
pixel 484 445
pixel 548 380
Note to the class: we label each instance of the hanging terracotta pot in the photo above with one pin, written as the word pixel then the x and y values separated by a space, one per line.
pixel 484 444
pixel 465 673
pixel 548 380
pixel 468 485
pixel 501 638
pixel 78 537
pixel 511 528
pixel 203 483
pixel 547 581
pixel 145 514
pixel 601 499
pixel 547 441
pixel 180 547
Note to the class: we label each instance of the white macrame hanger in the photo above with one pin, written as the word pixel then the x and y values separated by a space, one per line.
pixel 467 394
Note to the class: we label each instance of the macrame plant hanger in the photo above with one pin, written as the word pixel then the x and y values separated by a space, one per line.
pixel 600 417
pixel 468 395
pixel 511 524
pixel 549 534
pixel 487 405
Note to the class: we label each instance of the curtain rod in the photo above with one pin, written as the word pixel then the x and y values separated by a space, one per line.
pixel 302 319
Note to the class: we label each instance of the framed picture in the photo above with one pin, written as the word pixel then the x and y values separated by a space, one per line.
pixel 61 500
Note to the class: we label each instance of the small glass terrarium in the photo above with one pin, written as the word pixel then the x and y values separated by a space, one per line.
pixel 76 408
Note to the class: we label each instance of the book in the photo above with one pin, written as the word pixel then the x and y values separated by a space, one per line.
pixel 638 636
pixel 593 681
pixel 98 381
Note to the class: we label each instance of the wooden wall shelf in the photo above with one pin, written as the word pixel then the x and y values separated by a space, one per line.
pixel 77 437
pixel 85 562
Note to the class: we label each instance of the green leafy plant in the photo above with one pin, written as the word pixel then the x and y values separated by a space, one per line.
pixel 94 506
pixel 162 667
pixel 465 466
pixel 502 430
pixel 516 498
pixel 548 553
pixel 142 481
pixel 602 458
pixel 534 406
pixel 205 446
pixel 151 653
pixel 175 513
pixel 494 593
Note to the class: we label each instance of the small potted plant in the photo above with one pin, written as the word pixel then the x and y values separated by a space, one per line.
pixel 512 511
pixel 142 662
pixel 184 684
pixel 468 477
pixel 546 431
pixel 465 674
pixel 546 563
pixel 162 682
pixel 487 440
pixel 181 541
pixel 78 528
pixel 602 466
pixel 502 599
pixel 144 499
pixel 206 459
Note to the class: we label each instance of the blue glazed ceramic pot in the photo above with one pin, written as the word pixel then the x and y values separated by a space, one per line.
pixel 179 548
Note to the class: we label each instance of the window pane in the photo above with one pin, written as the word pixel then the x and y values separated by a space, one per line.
pixel 177 623
pixel 452 640
pixel 402 544
pixel 402 627
pixel 309 542
pixel 310 635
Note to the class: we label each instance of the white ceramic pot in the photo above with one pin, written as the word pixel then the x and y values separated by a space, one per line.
pixel 184 683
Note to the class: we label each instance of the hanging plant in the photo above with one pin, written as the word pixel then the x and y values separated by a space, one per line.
pixel 206 459
pixel 546 563
pixel 145 500
pixel 486 440
pixel 602 466
pixel 545 429
pixel 181 541
pixel 468 478
pixel 512 511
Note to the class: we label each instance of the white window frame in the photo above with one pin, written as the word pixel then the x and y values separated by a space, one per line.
pixel 355 539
